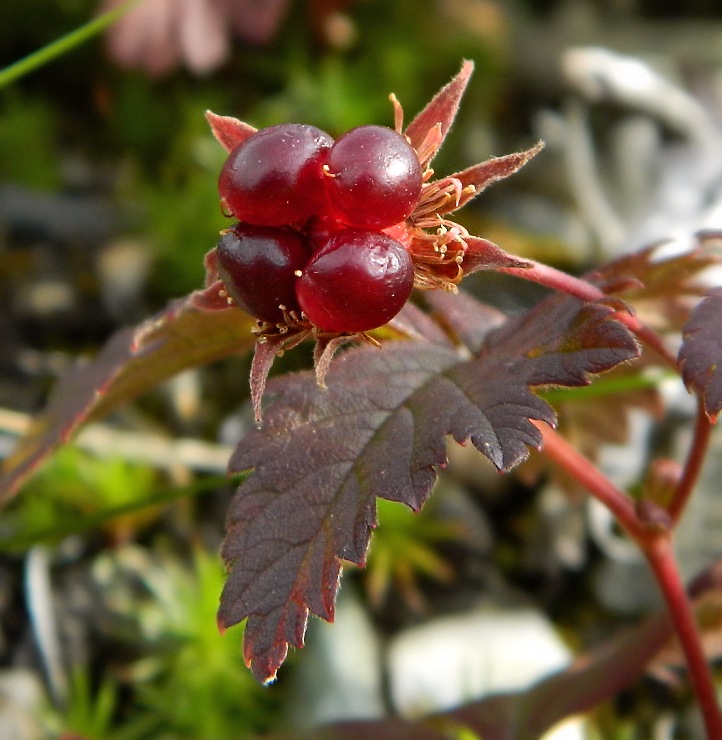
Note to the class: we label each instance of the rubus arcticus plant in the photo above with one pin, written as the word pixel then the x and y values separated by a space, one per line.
pixel 329 240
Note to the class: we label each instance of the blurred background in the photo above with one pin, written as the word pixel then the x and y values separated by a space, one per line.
pixel 109 573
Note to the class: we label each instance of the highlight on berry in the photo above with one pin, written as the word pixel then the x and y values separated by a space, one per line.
pixel 309 247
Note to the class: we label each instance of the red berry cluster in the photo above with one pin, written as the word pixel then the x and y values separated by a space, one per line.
pixel 311 213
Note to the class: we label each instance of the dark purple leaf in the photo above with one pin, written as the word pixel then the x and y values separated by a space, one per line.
pixel 700 355
pixel 662 288
pixel 467 320
pixel 323 456
pixel 562 340
pixel 192 331
pixel 410 323
pixel 413 323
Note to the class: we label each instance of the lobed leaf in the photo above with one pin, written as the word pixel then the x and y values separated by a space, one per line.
pixel 466 319
pixel 413 323
pixel 587 416
pixel 132 362
pixel 662 288
pixel 700 355
pixel 322 457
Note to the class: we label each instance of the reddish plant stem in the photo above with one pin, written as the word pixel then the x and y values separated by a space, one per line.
pixel 662 560
pixel 649 337
pixel 585 291
pixel 584 471
pixel 655 541
pixel 558 280
pixel 693 465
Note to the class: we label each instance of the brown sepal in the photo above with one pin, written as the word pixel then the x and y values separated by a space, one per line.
pixel 476 179
pixel 440 111
pixel 229 131
pixel 481 254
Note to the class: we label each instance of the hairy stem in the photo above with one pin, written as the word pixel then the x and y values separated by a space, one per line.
pixel 585 291
pixel 661 558
pixel 698 450
pixel 558 280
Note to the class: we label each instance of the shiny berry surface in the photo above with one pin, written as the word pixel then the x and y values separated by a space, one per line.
pixel 258 267
pixel 373 177
pixel 274 178
pixel 357 281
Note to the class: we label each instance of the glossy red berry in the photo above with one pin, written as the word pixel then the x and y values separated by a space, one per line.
pixel 258 266
pixel 357 281
pixel 274 178
pixel 373 177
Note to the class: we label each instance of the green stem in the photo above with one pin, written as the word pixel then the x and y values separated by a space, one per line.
pixel 64 44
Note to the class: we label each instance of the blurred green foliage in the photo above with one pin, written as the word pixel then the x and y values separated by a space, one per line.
pixel 77 493
pixel 75 487
pixel 89 712
pixel 149 136
pixel 188 681
pixel 28 124
pixel 193 683
pixel 144 143
pixel 405 551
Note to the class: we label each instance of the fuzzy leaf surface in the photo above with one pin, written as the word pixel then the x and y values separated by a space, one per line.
pixel 700 355
pixel 131 363
pixel 441 110
pixel 229 132
pixel 480 176
pixel 323 456
pixel 481 254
